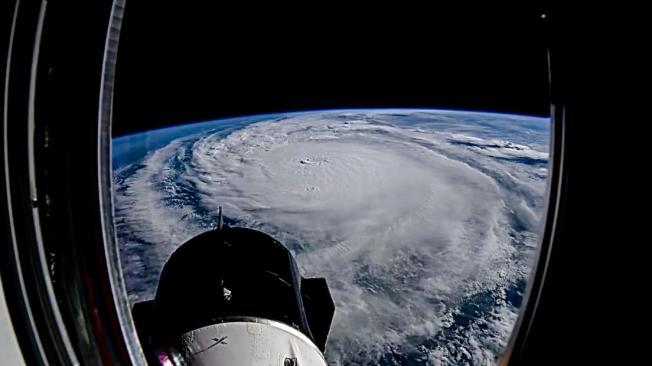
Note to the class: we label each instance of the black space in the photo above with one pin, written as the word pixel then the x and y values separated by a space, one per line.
pixel 187 63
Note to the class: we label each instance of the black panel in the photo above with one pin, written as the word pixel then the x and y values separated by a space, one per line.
pixel 144 315
pixel 319 308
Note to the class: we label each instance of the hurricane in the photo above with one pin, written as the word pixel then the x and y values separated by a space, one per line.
pixel 424 222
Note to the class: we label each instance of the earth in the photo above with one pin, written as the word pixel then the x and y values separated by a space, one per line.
pixel 424 222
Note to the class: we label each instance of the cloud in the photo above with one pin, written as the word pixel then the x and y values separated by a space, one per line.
pixel 411 224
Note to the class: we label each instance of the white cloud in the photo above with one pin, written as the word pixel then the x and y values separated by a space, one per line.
pixel 406 223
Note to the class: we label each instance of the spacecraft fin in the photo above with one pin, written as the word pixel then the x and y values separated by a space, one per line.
pixel 319 308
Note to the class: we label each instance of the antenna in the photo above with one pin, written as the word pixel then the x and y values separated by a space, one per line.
pixel 219 218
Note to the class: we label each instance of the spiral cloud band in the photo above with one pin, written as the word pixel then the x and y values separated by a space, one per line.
pixel 423 222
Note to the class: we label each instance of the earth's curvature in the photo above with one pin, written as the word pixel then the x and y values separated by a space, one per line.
pixel 424 222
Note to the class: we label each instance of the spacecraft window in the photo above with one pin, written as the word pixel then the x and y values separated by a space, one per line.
pixel 422 209
pixel 404 175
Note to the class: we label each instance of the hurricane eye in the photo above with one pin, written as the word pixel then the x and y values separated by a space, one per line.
pixel 227 295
